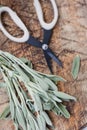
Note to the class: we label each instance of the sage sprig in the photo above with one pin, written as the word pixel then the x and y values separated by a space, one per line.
pixel 31 94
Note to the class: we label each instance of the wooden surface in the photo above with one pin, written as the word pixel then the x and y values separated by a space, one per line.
pixel 69 39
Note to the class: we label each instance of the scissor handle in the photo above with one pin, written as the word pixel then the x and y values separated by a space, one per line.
pixel 17 21
pixel 38 8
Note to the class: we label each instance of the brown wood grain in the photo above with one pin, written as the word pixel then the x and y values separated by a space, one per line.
pixel 69 39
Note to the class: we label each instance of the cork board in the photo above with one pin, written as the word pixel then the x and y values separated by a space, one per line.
pixel 69 39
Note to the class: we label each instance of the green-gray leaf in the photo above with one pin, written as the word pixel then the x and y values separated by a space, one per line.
pixel 26 61
pixel 12 108
pixel 75 67
pixel 63 110
pixel 2 84
pixel 20 118
pixel 64 96
pixel 48 106
pixel 47 119
pixel 5 113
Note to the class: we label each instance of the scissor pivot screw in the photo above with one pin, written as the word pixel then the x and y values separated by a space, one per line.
pixel 44 46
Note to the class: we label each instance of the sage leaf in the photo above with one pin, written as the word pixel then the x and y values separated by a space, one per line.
pixel 53 97
pixel 40 122
pixel 12 108
pixel 64 96
pixel 54 78
pixel 52 86
pixel 48 106
pixel 38 101
pixel 32 124
pixel 47 119
pixel 28 127
pixel 56 110
pixel 20 118
pixel 42 84
pixel 43 123
pixel 27 62
pixel 75 67
pixel 5 113
pixel 2 84
pixel 63 110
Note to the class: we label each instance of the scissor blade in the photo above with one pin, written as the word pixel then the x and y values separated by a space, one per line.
pixel 54 57
pixel 34 42
pixel 48 60
pixel 47 36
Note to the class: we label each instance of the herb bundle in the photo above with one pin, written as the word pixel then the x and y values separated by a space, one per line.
pixel 31 94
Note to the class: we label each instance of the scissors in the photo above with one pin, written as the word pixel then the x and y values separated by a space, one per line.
pixel 47 28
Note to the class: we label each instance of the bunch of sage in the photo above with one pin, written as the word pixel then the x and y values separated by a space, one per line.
pixel 31 94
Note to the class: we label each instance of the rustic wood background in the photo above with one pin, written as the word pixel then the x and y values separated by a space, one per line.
pixel 69 39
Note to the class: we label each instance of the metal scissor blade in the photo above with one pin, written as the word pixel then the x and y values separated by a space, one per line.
pixel 54 57
pixel 34 42
pixel 47 36
pixel 48 60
